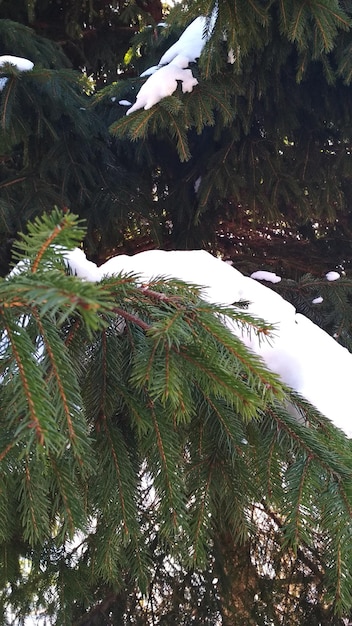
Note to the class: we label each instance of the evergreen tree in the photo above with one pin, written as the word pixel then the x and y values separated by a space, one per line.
pixel 150 468
pixel 55 149
pixel 263 142
pixel 265 139
pixel 132 422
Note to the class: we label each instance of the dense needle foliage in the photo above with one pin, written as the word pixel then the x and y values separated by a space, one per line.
pixel 138 434
pixel 151 469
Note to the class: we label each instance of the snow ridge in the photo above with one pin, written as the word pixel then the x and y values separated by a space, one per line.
pixel 306 357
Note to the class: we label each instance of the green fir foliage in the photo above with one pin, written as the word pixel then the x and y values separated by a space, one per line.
pixel 152 471
pixel 134 424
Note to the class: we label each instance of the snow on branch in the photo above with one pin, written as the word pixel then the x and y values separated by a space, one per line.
pixel 306 357
pixel 22 65
pixel 163 78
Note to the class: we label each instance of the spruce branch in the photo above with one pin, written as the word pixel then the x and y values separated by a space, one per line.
pixel 314 564
pixel 147 387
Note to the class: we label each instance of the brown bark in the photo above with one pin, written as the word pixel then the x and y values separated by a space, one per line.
pixel 238 581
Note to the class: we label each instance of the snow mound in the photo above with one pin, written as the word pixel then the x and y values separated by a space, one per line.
pixel 304 355
pixel 268 276
pixel 332 276
pixel 23 65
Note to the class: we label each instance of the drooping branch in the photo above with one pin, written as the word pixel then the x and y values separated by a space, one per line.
pixel 318 572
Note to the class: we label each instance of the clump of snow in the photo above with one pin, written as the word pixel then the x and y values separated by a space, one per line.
pixel 162 81
pixel 124 103
pixel 317 300
pixel 268 276
pixel 161 84
pixel 20 267
pixel 197 184
pixel 231 56
pixel 332 276
pixel 23 65
pixel 304 355
pixel 79 265
pixel 192 40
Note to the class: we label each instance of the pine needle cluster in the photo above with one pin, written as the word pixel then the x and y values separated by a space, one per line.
pixel 136 430
pixel 152 471
pixel 270 130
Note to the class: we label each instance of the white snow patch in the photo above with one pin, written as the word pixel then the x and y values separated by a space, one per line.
pixel 124 103
pixel 304 355
pixel 231 56
pixel 20 267
pixel 197 184
pixel 150 71
pixel 23 65
pixel 162 81
pixel 317 300
pixel 3 81
pixel 80 266
pixel 268 276
pixel 161 84
pixel 332 276
pixel 192 40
